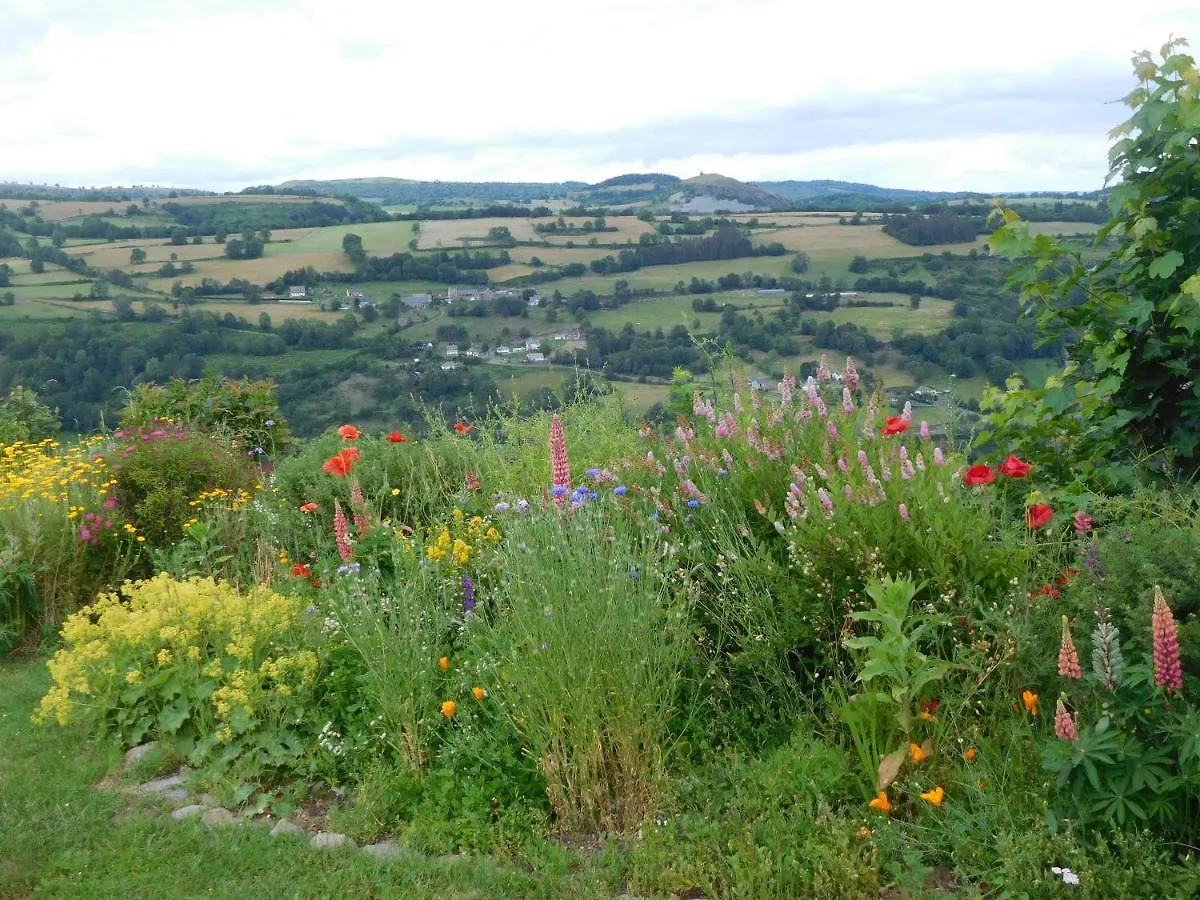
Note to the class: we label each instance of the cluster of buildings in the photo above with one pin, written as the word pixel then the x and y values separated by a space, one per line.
pixel 454 294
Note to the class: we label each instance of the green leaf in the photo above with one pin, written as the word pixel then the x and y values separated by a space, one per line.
pixel 171 717
pixel 1166 264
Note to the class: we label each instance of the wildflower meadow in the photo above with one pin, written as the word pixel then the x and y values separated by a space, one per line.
pixel 795 644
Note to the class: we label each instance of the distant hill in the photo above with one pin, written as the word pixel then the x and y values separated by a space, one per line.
pixel 722 192
pixel 112 194
pixel 404 191
pixel 801 191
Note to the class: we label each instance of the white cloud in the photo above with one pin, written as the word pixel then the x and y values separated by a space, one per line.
pixel 222 94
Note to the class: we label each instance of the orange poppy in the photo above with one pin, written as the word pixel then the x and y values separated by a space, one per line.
pixel 479 692
pixel 969 756
pixel 463 429
pixel 936 796
pixel 449 708
pixel 1030 699
pixel 881 802
pixel 916 753
pixel 338 466
pixel 444 663
pixel 308 507
pixel 349 433
pixel 301 570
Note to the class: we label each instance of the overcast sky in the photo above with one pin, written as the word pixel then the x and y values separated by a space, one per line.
pixel 994 96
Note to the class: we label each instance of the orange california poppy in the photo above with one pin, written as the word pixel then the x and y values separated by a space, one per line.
pixel 1030 699
pixel 444 663
pixel 479 692
pixel 881 802
pixel 308 507
pixel 349 433
pixel 916 753
pixel 969 756
pixel 936 796
pixel 301 570
pixel 449 708
pixel 463 429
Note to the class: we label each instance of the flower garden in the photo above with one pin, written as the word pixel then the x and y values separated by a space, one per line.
pixel 801 645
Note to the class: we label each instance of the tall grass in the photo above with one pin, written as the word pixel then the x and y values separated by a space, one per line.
pixel 588 644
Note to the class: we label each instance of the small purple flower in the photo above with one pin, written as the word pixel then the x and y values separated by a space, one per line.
pixel 270 423
pixel 620 490
pixel 502 507
pixel 110 502
pixel 593 473
pixel 85 533
pixel 558 490
pixel 522 505
pixel 348 569
pixel 693 503
pixel 904 512
pixel 468 587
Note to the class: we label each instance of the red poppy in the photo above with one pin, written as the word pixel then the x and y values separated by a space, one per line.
pixel 895 425
pixel 1046 590
pixel 463 429
pixel 1014 467
pixel 1038 515
pixel 979 475
pixel 397 438
pixel 301 570
pixel 1066 577
pixel 316 582
pixel 340 464
pixel 349 433
pixel 308 507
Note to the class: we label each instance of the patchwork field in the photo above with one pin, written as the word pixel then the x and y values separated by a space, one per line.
pixel 61 210
pixel 256 271
pixel 449 234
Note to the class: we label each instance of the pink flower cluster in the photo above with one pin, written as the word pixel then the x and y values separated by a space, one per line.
pixel 1167 669
pixel 560 468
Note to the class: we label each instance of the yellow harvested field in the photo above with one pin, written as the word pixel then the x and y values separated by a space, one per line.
pixel 449 233
pixel 256 271
pixel 795 218
pixel 629 229
pixel 58 210
pixel 52 275
pixel 116 256
pixel 825 241
pixel 504 273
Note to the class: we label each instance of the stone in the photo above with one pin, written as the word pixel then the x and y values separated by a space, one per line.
pixel 160 785
pixel 385 851
pixel 175 795
pixel 219 817
pixel 207 800
pixel 136 754
pixel 328 840
pixel 283 826
pixel 187 812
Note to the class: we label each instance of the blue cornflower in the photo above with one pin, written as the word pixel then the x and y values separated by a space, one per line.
pixel 693 503
pixel 348 569
pixel 619 490
pixel 558 490
pixel 593 473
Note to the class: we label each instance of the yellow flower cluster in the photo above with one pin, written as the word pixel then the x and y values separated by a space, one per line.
pixel 197 631
pixel 233 499
pixel 47 471
pixel 461 538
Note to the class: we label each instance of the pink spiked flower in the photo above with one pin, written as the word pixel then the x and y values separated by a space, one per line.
pixel 1083 522
pixel 358 503
pixel 904 512
pixel 906 413
pixel 1064 725
pixel 1068 658
pixel 1167 669
pixel 851 374
pixel 924 430
pixel 341 532
pixel 560 469
pixel 823 373
pixel 847 401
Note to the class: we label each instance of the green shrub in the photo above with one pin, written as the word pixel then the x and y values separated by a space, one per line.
pixel 162 470
pixel 246 412
pixel 25 418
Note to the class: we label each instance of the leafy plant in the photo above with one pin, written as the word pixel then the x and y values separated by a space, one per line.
pixel 1131 319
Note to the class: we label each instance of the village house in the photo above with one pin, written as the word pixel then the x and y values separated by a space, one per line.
pixel 534 300
pixel 535 357
pixel 472 353
pixel 417 301
pixel 487 295
pixel 533 343
pixel 451 351
pixel 462 293
pixel 297 292
pixel 449 366
pixel 504 351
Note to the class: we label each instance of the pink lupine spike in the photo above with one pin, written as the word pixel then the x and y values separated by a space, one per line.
pixel 560 469
pixel 341 532
pixel 1068 658
pixel 1064 725
pixel 1167 669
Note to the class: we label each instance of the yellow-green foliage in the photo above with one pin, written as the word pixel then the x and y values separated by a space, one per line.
pixel 193 662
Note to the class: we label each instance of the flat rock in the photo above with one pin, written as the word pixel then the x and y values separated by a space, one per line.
pixel 160 785
pixel 175 795
pixel 207 800
pixel 386 850
pixel 283 826
pixel 219 817
pixel 187 812
pixel 327 840
pixel 138 753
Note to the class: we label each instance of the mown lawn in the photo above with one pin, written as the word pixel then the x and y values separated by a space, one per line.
pixel 62 837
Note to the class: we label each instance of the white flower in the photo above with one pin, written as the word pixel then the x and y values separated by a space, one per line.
pixel 1065 874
